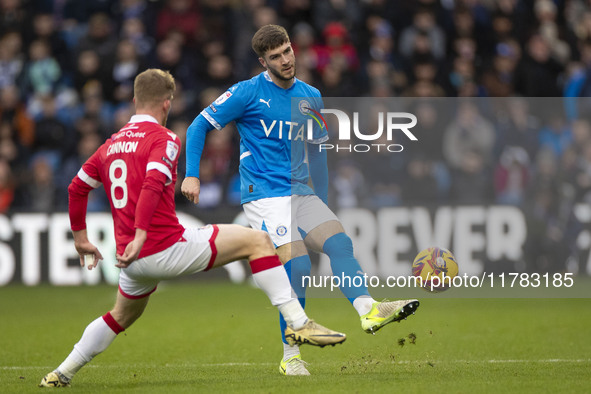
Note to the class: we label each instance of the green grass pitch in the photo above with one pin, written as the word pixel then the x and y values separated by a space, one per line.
pixel 219 337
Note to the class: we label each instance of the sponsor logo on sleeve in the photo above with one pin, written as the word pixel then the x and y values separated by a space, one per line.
pixel 172 150
pixel 168 162
pixel 222 99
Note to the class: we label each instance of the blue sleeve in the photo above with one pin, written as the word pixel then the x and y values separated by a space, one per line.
pixel 229 106
pixel 196 134
pixel 317 163
pixel 320 133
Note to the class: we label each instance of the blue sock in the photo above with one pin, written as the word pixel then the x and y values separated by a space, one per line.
pixel 296 268
pixel 339 249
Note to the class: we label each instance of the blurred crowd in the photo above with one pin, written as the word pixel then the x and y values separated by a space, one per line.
pixel 67 70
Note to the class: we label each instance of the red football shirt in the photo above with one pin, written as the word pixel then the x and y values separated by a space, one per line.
pixel 124 164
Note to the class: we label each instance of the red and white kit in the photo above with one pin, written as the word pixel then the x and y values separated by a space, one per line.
pixel 138 168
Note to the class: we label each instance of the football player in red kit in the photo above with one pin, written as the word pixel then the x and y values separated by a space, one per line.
pixel 138 168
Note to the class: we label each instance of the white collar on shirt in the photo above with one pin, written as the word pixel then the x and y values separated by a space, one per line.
pixel 142 118
pixel 268 77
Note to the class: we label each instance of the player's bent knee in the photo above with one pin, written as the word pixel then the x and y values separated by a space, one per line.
pixel 261 242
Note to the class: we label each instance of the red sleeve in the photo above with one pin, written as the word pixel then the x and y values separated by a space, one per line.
pixel 77 203
pixel 149 198
pixel 88 178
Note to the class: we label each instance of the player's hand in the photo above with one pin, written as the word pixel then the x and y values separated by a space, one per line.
pixel 132 250
pixel 85 248
pixel 190 189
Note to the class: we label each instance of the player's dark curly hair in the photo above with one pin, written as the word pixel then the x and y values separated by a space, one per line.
pixel 269 37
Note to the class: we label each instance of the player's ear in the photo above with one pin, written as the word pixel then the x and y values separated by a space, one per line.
pixel 263 62
pixel 167 104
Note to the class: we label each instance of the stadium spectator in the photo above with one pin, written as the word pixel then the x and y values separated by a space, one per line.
pixel 100 38
pixel 537 65
pixel 424 71
pixel 468 135
pixel 216 24
pixel 171 56
pixel 424 28
pixel 517 126
pixel 126 66
pixel 42 72
pixel 219 72
pixel 556 134
pixel 512 176
pixel 420 184
pixel 14 113
pixel 141 15
pixel 52 135
pixel 304 46
pixel 13 16
pixel 349 185
pixel 179 16
pixel 499 79
pixel 12 59
pixel 93 108
pixel 470 179
pixel 134 30
pixel 546 15
pixel 40 189
pixel 45 28
pixel 345 12
pixel 91 69
pixel 337 50
pixel 293 12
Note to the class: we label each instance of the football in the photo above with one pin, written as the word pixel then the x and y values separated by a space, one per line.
pixel 435 267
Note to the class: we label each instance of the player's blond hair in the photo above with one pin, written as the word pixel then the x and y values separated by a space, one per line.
pixel 153 86
pixel 269 37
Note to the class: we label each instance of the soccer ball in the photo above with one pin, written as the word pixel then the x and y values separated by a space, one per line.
pixel 435 268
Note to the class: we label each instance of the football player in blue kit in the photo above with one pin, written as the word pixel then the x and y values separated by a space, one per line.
pixel 274 178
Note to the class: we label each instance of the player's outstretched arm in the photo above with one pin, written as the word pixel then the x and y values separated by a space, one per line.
pixel 318 171
pixel 196 134
pixel 77 205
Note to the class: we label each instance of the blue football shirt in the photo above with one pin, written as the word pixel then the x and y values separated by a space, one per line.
pixel 274 126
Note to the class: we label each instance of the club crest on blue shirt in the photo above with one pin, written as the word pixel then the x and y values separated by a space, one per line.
pixel 304 107
pixel 281 230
